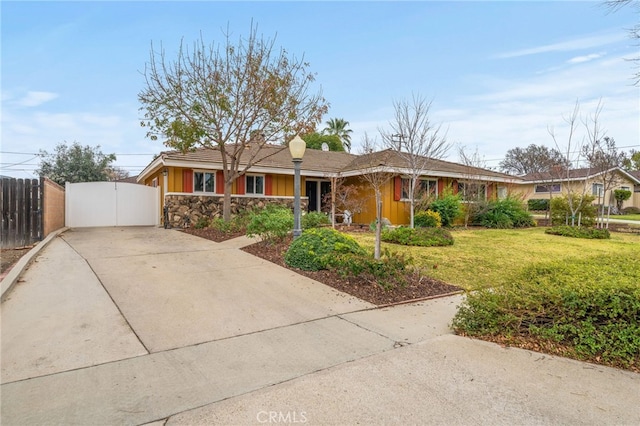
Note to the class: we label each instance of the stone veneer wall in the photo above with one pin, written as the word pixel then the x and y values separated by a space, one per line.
pixel 186 210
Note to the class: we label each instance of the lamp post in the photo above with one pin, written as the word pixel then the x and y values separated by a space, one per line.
pixel 296 148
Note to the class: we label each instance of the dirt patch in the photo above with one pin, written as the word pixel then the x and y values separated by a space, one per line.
pixel 9 257
pixel 418 287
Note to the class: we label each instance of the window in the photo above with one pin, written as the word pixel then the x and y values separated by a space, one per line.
pixel 254 184
pixel 472 191
pixel 502 192
pixel 545 188
pixel 154 182
pixel 597 189
pixel 625 188
pixel 425 186
pixel 204 181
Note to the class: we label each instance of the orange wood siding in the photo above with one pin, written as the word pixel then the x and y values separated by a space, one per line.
pixel 219 182
pixel 282 185
pixel 268 185
pixel 240 185
pixel 187 180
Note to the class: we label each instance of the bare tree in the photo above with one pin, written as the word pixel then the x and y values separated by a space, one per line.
pixel 634 32
pixel 534 159
pixel 231 97
pixel 578 150
pixel 377 174
pixel 604 159
pixel 472 183
pixel 343 197
pixel 416 140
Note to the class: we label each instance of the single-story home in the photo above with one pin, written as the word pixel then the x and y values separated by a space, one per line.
pixel 192 183
pixel 592 182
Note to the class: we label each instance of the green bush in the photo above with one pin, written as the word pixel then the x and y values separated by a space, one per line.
pixel 572 303
pixel 389 271
pixel 201 223
pixel 236 224
pixel 272 223
pixel 315 248
pixel 631 210
pixel 448 206
pixel 427 219
pixel 586 212
pixel 579 232
pixel 504 214
pixel 538 204
pixel 314 220
pixel 423 237
pixel 621 195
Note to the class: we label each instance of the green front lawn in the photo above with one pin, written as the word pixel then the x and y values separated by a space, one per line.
pixel 628 217
pixel 483 258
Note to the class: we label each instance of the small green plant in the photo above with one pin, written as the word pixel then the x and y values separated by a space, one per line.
pixel 315 248
pixel 314 220
pixel 272 223
pixel 385 224
pixel 579 232
pixel 201 223
pixel 389 271
pixel 423 237
pixel 448 206
pixel 427 219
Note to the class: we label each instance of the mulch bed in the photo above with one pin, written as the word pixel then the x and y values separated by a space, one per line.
pixel 418 287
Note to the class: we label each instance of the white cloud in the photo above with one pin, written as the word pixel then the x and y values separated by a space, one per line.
pixel 587 42
pixel 33 99
pixel 585 58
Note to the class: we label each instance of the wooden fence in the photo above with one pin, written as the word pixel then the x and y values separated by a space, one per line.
pixel 22 223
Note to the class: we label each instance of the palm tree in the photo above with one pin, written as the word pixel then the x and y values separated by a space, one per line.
pixel 338 127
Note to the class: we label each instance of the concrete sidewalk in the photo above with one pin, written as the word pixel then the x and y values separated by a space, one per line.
pixel 140 325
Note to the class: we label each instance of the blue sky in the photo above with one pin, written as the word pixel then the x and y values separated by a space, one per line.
pixel 499 73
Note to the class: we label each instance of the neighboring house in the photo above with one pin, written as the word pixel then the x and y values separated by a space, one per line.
pixel 192 183
pixel 589 181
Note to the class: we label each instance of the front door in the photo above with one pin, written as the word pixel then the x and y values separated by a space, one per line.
pixel 317 190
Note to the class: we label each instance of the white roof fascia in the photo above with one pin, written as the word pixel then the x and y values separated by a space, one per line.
pixel 155 164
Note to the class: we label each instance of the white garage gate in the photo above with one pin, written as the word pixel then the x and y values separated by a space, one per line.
pixel 111 204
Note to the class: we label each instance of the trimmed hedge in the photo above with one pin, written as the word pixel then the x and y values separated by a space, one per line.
pixel 538 204
pixel 572 303
pixel 423 237
pixel 579 232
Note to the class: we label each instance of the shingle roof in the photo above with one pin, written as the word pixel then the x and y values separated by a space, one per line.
pixel 276 156
pixel 572 174
pixel 393 159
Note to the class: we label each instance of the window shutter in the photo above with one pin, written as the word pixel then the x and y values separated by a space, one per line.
pixel 240 185
pixel 268 185
pixel 397 189
pixel 219 182
pixel 454 186
pixel 187 181
pixel 440 186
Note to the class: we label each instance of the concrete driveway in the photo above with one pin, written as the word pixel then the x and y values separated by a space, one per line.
pixel 138 325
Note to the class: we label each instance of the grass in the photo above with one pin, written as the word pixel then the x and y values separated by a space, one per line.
pixel 482 258
pixel 628 217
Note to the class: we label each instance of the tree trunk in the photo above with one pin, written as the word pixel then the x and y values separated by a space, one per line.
pixel 226 201
pixel 376 252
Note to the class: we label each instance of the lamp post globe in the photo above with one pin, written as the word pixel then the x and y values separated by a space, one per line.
pixel 296 147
